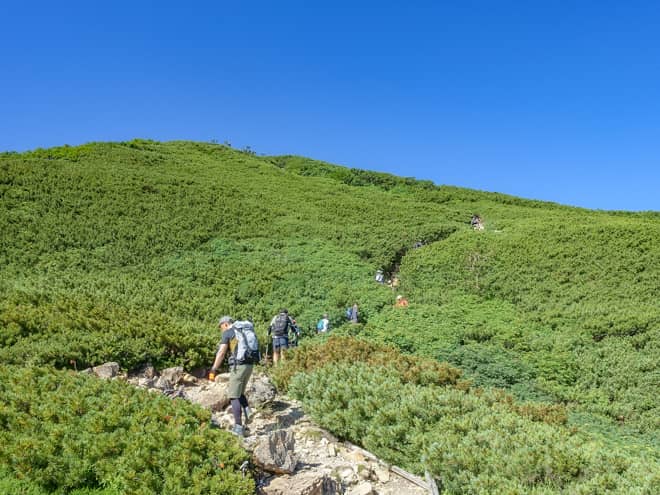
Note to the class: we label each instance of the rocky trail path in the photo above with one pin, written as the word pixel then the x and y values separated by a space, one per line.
pixel 291 455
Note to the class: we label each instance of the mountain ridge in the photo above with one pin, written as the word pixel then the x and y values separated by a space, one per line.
pixel 129 251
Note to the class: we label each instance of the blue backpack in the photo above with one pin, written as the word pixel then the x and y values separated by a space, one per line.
pixel 349 313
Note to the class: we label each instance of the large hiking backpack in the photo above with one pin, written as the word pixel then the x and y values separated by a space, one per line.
pixel 281 325
pixel 247 345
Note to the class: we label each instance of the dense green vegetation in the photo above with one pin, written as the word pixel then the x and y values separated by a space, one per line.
pixel 130 252
pixel 470 442
pixel 65 431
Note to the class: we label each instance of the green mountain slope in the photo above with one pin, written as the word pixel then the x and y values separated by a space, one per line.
pixel 130 252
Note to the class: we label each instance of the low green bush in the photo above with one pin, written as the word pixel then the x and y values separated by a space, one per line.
pixel 348 350
pixel 61 431
pixel 472 442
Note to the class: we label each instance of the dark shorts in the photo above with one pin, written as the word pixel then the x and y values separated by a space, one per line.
pixel 280 343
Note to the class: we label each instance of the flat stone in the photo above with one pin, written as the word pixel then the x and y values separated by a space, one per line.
pixel 212 396
pixel 364 488
pixel 382 474
pixel 353 455
pixel 303 484
pixel 107 370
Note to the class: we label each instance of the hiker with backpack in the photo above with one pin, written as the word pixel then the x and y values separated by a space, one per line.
pixel 239 342
pixel 323 325
pixel 279 327
pixel 476 222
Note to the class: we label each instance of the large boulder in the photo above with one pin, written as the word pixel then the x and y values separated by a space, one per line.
pixel 107 370
pixel 173 375
pixel 259 390
pixel 211 395
pixel 275 453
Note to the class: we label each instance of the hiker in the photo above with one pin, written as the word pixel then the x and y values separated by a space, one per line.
pixel 354 313
pixel 380 278
pixel 401 302
pixel 323 325
pixel 476 222
pixel 280 326
pixel 296 331
pixel 240 340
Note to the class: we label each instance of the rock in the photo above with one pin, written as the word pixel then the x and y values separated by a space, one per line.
pixel 187 379
pixel 146 371
pixel 303 484
pixel 107 370
pixel 347 475
pixel 212 396
pixel 145 382
pixel 382 474
pixel 364 488
pixel 172 375
pixel 363 471
pixel 222 378
pixel 353 455
pixel 259 390
pixel 163 383
pixel 275 453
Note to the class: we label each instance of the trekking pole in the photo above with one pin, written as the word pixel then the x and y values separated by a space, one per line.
pixel 267 348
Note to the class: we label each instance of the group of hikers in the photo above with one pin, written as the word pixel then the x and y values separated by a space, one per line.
pixel 239 344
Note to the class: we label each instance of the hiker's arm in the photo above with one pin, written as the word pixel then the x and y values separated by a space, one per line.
pixel 219 357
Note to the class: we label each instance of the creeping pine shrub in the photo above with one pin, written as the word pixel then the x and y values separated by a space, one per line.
pixel 64 432
pixel 471 442
pixel 348 350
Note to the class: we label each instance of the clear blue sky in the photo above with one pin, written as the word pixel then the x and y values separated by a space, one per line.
pixel 552 100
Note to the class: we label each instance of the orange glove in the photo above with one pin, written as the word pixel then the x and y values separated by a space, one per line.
pixel 212 376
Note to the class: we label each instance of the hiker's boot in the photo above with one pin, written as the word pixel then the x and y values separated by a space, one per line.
pixel 247 414
pixel 238 430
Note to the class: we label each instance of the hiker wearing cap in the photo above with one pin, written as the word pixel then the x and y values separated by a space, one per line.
pixel 279 328
pixel 234 336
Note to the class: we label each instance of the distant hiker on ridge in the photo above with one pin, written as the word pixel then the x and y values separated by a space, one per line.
pixel 476 222
pixel 354 313
pixel 240 340
pixel 323 325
